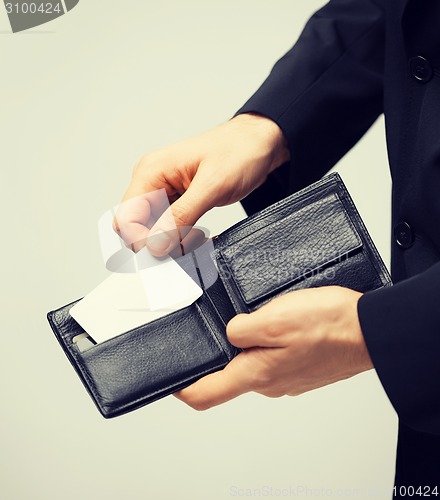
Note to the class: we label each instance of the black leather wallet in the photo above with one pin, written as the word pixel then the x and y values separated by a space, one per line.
pixel 312 238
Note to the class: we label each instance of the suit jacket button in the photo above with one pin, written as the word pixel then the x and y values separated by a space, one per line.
pixel 403 235
pixel 420 69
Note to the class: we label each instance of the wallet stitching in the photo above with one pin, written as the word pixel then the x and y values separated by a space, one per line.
pixel 89 382
pixel 108 408
pixel 227 287
pixel 290 214
pixel 381 272
pixel 218 314
pixel 212 331
pixel 329 182
pixel 75 360
pixel 135 329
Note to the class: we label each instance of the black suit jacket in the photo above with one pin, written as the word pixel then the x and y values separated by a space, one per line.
pixel 354 60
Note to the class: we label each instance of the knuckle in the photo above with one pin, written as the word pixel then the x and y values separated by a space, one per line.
pixel 262 379
pixel 198 404
pixel 146 161
pixel 271 329
pixel 273 393
pixel 180 211
pixel 138 165
pixel 193 399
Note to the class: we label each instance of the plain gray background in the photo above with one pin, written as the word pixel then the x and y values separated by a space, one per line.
pixel 82 98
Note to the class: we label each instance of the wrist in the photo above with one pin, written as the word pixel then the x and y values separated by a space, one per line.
pixel 271 135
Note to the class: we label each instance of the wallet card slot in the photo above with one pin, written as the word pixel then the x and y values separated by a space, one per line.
pixel 270 258
pixel 63 325
pixel 152 360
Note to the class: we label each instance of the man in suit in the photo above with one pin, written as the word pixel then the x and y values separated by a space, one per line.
pixel 354 60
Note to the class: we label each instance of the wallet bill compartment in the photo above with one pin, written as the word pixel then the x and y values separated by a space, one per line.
pixel 144 364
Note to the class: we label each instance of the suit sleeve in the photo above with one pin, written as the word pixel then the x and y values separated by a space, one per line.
pixel 401 327
pixel 328 89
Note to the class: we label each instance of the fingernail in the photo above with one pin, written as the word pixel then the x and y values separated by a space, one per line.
pixel 159 242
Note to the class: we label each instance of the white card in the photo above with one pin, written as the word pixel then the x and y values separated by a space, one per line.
pixel 166 285
pixel 144 288
pixel 128 300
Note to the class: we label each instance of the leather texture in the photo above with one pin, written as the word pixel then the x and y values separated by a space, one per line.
pixel 312 238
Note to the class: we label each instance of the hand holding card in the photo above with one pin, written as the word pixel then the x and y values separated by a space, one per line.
pixel 127 300
pixel 143 288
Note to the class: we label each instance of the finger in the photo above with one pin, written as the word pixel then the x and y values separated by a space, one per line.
pixel 175 223
pixel 217 388
pixel 194 239
pixel 130 221
pixel 135 214
pixel 256 329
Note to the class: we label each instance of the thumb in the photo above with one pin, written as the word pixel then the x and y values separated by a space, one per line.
pixel 256 329
pixel 176 222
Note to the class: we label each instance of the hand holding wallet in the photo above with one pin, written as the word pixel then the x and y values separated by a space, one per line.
pixel 312 238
